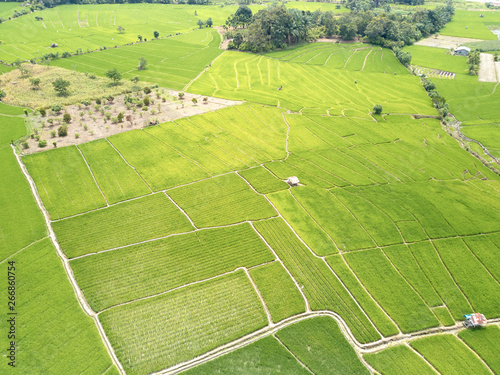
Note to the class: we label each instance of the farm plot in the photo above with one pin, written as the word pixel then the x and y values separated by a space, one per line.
pixel 91 27
pixel 47 296
pixel 352 56
pixel 263 181
pixel 402 259
pixel 470 101
pixel 161 166
pixel 266 356
pixel 432 266
pixel 165 264
pixel 437 58
pixel 116 179
pixel 221 200
pixel 185 323
pixel 397 360
pixel 367 303
pixel 485 343
pixel 480 288
pixel 119 225
pixel 449 355
pixel 321 346
pixel 167 59
pixel 64 182
pixel 342 227
pixel 485 248
pixel 469 24
pixel 222 141
pixel 303 223
pixel 274 284
pixel 487 134
pixel 257 78
pixel 391 290
pixel 443 316
pixel 320 286
pixel 21 221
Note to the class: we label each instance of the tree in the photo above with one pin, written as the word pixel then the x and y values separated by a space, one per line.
pixel 120 30
pixel 142 63
pixel 181 95
pixel 120 117
pixel 146 101
pixel 243 16
pixel 156 34
pixel 61 86
pixel 113 74
pixel 200 23
pixel 35 82
pixel 377 109
pixel 195 101
pixel 139 37
pixel 62 130
pixel 209 22
pixel 67 118
pixel 2 94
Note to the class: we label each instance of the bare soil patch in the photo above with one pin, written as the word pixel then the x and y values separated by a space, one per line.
pixel 487 70
pixel 443 41
pixel 92 122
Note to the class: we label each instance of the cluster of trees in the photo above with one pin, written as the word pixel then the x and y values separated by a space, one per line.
pixel 439 101
pixel 473 59
pixel 278 27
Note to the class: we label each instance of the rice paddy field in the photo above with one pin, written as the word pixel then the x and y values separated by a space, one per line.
pixel 188 250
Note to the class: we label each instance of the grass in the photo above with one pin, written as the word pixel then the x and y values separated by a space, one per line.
pixel 263 181
pixel 185 323
pixel 469 24
pixel 207 202
pixel 116 179
pixel 321 346
pixel 44 296
pixel 166 59
pixel 257 78
pixel 391 291
pixel 264 356
pixel 81 87
pixel 319 284
pixel 166 264
pixel 367 303
pixel 484 341
pixel 273 283
pixel 123 224
pixel 398 359
pixel 64 182
pixel 449 355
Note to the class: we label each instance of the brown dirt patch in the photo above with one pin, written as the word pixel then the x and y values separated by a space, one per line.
pixel 443 41
pixel 94 125
pixel 487 71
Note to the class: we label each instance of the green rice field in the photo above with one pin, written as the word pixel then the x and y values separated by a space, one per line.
pixel 186 244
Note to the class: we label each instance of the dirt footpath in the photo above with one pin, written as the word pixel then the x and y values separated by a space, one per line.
pixel 443 41
pixel 487 70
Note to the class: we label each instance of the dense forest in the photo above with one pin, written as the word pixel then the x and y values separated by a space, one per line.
pixel 279 27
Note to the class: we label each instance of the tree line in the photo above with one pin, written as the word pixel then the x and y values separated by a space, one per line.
pixel 279 27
